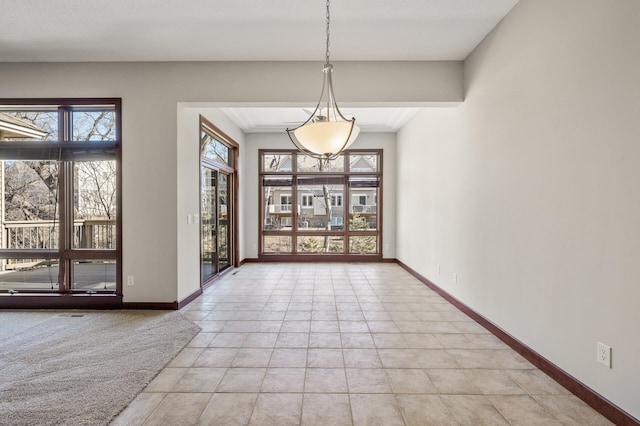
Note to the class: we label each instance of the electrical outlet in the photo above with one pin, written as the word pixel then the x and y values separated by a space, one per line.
pixel 455 277
pixel 130 281
pixel 438 269
pixel 604 354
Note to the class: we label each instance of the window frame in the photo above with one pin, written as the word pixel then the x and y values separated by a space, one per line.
pixel 66 151
pixel 296 180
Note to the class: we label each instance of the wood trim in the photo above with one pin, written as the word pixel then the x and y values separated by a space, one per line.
pixel 155 306
pixel 573 385
pixel 60 301
pixel 66 253
pixel 295 232
pixel 215 132
pixel 190 298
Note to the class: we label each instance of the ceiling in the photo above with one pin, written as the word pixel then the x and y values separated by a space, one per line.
pixel 243 30
pixel 250 30
pixel 272 120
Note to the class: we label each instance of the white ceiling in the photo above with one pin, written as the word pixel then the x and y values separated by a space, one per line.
pixel 243 30
pixel 250 30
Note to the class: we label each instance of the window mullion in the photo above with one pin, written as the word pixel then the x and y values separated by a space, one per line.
pixel 65 201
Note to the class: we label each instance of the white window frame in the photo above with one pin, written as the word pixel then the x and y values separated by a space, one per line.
pixel 284 197
pixel 306 201
pixel 356 198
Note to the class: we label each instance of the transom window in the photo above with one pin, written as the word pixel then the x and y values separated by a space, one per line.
pixel 304 207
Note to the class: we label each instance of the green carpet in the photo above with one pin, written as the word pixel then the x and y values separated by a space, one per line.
pixel 82 368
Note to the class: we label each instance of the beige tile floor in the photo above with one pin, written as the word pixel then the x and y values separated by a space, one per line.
pixel 344 344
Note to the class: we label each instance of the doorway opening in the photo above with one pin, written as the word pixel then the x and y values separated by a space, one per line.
pixel 218 202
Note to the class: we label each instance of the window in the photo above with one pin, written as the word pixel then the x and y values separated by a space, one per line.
pixel 60 174
pixel 306 200
pixel 359 200
pixel 312 207
pixel 285 203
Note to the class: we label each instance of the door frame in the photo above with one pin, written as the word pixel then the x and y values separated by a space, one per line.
pixel 232 170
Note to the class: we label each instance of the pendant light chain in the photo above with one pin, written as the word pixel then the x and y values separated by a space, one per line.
pixel 326 133
pixel 328 32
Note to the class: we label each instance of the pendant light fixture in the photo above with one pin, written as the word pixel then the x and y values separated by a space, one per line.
pixel 327 132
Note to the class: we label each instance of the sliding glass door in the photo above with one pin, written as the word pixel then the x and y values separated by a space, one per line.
pixel 208 224
pixel 218 183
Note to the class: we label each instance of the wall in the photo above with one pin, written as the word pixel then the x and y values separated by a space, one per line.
pixel 188 159
pixel 257 141
pixel 528 190
pixel 154 163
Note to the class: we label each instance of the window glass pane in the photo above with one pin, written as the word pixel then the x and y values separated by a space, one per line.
pixel 363 244
pixel 363 209
pixel 276 244
pixel 310 164
pixel 363 163
pixel 94 275
pixel 94 190
pixel 320 207
pixel 273 163
pixel 215 150
pixel 320 244
pixel 29 126
pixel 30 204
pixel 28 274
pixel 94 125
pixel 362 222
pixel 278 208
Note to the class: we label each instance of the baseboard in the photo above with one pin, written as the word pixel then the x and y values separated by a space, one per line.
pixel 573 385
pixel 60 301
pixel 155 306
pixel 190 298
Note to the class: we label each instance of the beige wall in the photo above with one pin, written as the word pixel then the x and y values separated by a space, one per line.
pixel 188 204
pixel 528 190
pixel 160 164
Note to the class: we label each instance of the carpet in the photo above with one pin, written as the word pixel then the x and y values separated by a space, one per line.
pixel 82 368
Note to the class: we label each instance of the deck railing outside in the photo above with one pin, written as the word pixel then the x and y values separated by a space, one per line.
pixel 44 234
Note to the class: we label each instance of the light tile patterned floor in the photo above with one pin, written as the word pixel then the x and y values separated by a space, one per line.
pixel 344 344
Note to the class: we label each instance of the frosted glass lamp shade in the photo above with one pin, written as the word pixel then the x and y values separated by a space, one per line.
pixel 327 137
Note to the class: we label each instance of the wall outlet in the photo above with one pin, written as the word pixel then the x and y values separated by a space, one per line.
pixel 386 246
pixel 438 269
pixel 455 277
pixel 130 281
pixel 604 354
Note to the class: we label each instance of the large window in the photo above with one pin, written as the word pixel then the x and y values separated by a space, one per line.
pixel 60 192
pixel 313 207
